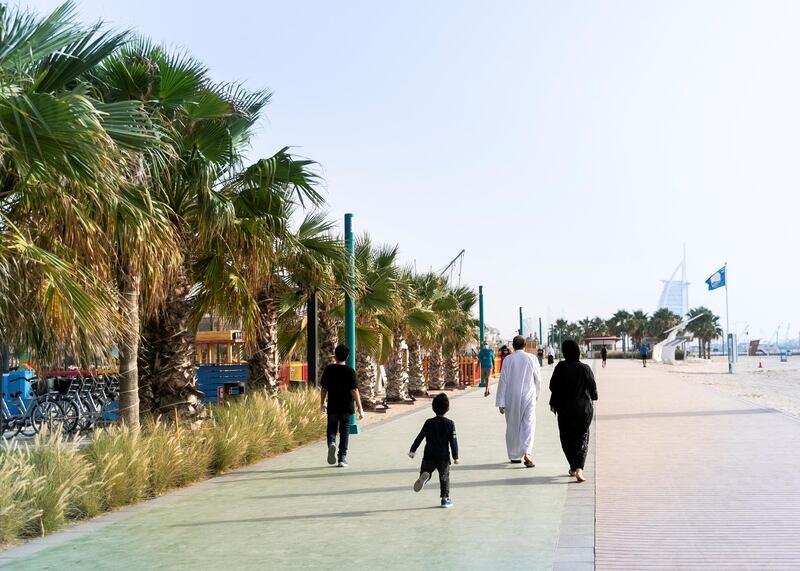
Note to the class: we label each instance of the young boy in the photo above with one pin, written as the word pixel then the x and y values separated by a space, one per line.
pixel 440 439
pixel 339 385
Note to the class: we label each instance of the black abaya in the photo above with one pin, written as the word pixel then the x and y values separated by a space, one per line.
pixel 573 389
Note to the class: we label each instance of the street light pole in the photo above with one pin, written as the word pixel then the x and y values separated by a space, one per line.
pixel 349 304
pixel 311 339
pixel 520 320
pixel 480 314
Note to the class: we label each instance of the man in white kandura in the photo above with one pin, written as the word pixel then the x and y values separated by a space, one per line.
pixel 517 392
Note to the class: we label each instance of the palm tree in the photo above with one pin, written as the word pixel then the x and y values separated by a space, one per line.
pixel 618 325
pixel 662 320
pixel 428 290
pixel 637 327
pixel 457 329
pixel 202 183
pixel 376 306
pixel 704 327
pixel 413 319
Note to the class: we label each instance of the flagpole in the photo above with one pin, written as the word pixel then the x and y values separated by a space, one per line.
pixel 727 322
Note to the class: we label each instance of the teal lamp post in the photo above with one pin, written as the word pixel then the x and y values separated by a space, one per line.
pixel 349 304
pixel 520 321
pixel 480 331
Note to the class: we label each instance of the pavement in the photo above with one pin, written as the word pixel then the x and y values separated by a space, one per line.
pixel 681 476
pixel 689 477
pixel 296 512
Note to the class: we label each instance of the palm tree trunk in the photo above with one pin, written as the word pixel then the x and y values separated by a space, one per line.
pixel 129 283
pixel 416 372
pixel 166 360
pixel 328 340
pixel 264 364
pixel 451 376
pixel 396 369
pixel 366 374
pixel 435 372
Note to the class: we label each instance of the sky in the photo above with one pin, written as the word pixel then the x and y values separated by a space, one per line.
pixel 571 148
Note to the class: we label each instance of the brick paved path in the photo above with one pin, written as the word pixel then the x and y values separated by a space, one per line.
pixel 689 477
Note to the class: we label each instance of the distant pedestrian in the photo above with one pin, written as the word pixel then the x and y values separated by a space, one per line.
pixel 604 355
pixel 439 434
pixel 550 355
pixel 644 352
pixel 339 386
pixel 517 392
pixel 486 359
pixel 504 352
pixel 572 395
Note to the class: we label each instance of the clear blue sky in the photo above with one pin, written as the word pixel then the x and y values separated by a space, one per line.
pixel 570 147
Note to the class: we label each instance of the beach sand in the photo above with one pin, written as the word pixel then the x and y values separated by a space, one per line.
pixel 776 385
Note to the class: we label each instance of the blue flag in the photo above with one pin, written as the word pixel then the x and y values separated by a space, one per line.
pixel 717 280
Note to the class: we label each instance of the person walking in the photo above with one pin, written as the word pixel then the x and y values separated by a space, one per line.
pixel 517 392
pixel 644 351
pixel 339 386
pixel 550 355
pixel 604 355
pixel 572 394
pixel 504 352
pixel 439 434
pixel 486 358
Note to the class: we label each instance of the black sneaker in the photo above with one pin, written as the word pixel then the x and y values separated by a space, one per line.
pixel 343 463
pixel 421 481
pixel 332 454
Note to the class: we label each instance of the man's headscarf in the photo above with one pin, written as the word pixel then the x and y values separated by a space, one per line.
pixel 570 350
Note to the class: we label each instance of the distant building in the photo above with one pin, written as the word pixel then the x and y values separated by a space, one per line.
pixel 675 294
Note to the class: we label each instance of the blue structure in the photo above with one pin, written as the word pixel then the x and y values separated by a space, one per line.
pixel 231 379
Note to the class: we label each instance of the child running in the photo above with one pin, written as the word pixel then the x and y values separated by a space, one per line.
pixel 440 439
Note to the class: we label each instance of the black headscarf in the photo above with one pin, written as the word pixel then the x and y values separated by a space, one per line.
pixel 570 350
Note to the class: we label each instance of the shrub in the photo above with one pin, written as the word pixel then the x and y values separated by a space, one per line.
pixel 307 421
pixel 17 510
pixel 121 465
pixel 44 485
pixel 61 473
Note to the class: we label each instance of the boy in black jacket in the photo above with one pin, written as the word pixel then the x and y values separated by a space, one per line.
pixel 440 439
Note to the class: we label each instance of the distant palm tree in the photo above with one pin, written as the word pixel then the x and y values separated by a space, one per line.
pixel 618 325
pixel 637 327
pixel 705 328
pixel 662 320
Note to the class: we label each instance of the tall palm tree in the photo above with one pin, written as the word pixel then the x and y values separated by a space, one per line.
pixel 662 320
pixel 457 329
pixel 704 327
pixel 413 319
pixel 428 289
pixel 637 327
pixel 618 325
pixel 376 305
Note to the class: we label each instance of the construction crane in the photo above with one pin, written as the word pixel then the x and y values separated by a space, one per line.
pixel 451 267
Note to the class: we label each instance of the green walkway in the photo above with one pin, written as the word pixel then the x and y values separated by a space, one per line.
pixel 295 512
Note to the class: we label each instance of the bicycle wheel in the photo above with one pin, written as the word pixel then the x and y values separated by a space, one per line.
pixel 44 414
pixel 72 414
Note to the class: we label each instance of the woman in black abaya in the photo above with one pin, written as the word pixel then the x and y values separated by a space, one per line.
pixel 573 392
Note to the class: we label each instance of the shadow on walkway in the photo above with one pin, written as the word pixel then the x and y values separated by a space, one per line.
pixel 434 483
pixel 296 517
pixel 329 471
pixel 687 413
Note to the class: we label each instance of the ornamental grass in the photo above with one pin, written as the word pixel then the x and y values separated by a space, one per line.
pixel 51 482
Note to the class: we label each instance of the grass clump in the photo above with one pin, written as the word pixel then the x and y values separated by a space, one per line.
pixel 50 482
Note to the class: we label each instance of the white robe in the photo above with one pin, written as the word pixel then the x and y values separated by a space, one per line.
pixel 517 392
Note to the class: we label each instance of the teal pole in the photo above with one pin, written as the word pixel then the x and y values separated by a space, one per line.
pixel 541 340
pixel 349 304
pixel 520 321
pixel 480 313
